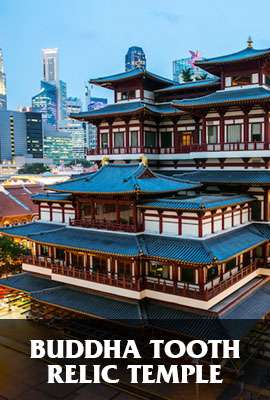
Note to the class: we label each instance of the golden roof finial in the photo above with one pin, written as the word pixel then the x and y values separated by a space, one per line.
pixel 105 161
pixel 250 43
pixel 144 160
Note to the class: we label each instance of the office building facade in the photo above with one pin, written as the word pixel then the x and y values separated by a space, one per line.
pixel 135 58
pixel 45 102
pixel 3 87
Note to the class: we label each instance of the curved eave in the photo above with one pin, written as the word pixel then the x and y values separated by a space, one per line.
pixel 178 261
pixel 134 192
pixel 191 88
pixel 52 201
pixel 194 209
pixel 112 114
pixel 220 104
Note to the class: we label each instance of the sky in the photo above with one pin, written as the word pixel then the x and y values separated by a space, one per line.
pixel 93 36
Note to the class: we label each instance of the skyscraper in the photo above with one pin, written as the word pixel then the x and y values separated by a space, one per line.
pixel 135 58
pixel 46 103
pixel 50 65
pixel 3 91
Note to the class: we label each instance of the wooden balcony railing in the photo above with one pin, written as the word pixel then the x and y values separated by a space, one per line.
pixel 110 226
pixel 180 149
pixel 210 290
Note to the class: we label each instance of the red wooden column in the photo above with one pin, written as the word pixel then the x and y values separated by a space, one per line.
pixel 266 205
pixel 223 219
pixel 127 133
pixel 160 222
pixel 266 129
pixel 201 279
pixel 63 213
pixel 179 214
pixel 212 222
pixel 200 224
pixel 174 141
pixel 110 136
pixel 197 130
pixel 221 128
pixel 141 134
pixel 117 205
pixel 39 213
pixel 203 131
pixel 246 133
pixel 51 215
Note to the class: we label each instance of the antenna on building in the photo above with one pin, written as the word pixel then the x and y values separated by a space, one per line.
pixel 250 43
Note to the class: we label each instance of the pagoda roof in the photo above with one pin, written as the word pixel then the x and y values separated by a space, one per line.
pixel 219 248
pixel 110 80
pixel 247 54
pixel 226 97
pixel 28 283
pixel 199 203
pixel 190 85
pixel 255 178
pixel 123 179
pixel 130 107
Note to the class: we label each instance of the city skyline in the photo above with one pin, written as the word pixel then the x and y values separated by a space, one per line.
pixel 86 47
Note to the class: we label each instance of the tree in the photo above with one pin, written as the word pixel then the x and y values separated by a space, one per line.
pixel 11 254
pixel 202 76
pixel 36 168
pixel 187 75
pixel 84 163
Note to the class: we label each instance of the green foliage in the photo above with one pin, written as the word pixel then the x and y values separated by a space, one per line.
pixel 11 254
pixel 187 75
pixel 202 76
pixel 36 168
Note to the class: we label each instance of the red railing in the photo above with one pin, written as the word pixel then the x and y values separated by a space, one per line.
pixel 181 148
pixel 92 223
pixel 138 284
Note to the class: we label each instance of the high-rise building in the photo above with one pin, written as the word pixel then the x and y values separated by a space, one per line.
pixel 50 65
pixel 57 145
pixel 20 135
pixel 62 99
pixel 46 103
pixel 135 58
pixel 34 134
pixel 73 105
pixel 95 103
pixel 3 89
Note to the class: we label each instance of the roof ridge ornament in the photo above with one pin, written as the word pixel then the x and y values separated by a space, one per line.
pixel 144 160
pixel 250 43
pixel 105 161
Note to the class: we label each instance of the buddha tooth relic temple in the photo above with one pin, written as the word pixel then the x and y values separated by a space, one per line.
pixel 175 222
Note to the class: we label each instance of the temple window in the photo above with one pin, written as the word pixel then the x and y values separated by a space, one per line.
pixel 133 138
pixel 44 251
pixel 259 252
pixel 241 80
pixel 104 140
pixel 150 139
pixel 86 210
pixel 212 134
pixel 119 139
pixel 186 138
pixel 187 275
pixel 77 260
pixel 60 254
pixel 159 271
pixel 124 269
pixel 166 139
pixel 105 212
pixel 234 133
pixel 100 265
pixel 256 132
pixel 126 214
pixel 127 95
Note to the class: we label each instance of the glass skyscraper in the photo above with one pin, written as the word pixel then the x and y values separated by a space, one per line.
pixel 3 89
pixel 135 58
pixel 185 63
pixel 50 65
pixel 46 103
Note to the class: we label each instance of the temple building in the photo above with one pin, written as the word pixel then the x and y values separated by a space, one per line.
pixel 218 123
pixel 188 234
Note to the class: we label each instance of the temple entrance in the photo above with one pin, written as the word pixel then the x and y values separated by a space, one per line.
pixel 187 138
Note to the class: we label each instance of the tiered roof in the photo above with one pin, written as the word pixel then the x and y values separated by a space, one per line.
pixel 187 251
pixel 110 80
pixel 226 97
pixel 123 179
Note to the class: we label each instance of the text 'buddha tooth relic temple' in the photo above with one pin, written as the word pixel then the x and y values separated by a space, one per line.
pixel 175 221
